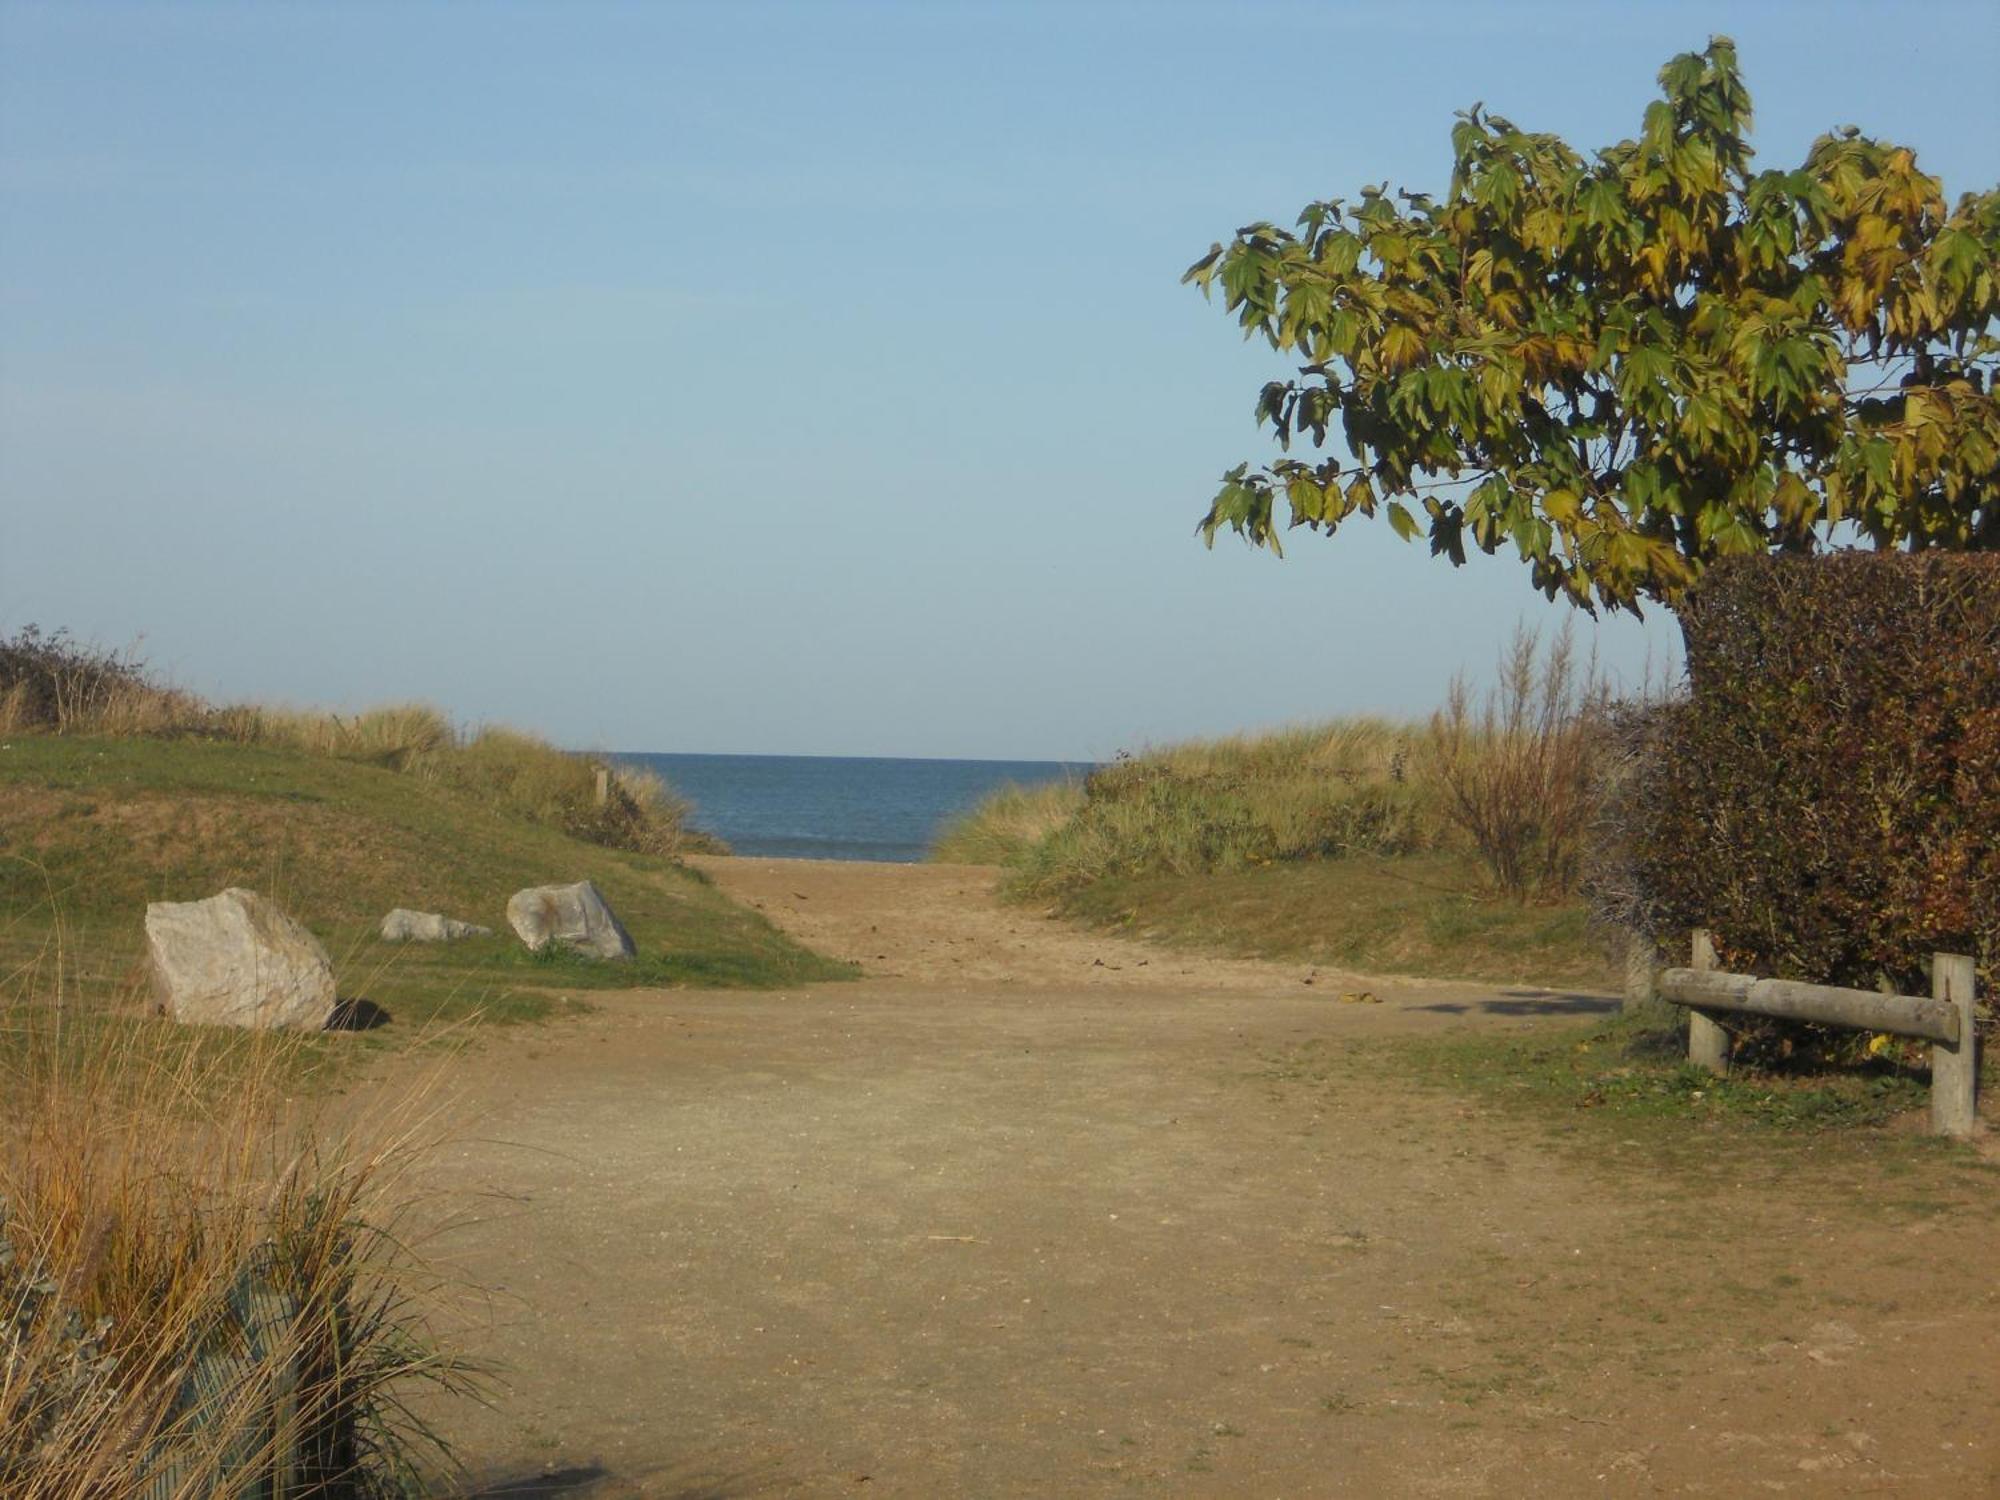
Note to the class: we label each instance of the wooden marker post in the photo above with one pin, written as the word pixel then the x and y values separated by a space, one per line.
pixel 1642 990
pixel 1708 1043
pixel 1955 1070
pixel 603 785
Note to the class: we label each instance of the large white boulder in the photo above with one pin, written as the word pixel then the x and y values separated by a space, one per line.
pixel 574 915
pixel 236 960
pixel 405 926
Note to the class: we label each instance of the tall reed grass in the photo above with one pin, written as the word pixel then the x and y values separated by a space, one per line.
pixel 205 1290
pixel 1518 767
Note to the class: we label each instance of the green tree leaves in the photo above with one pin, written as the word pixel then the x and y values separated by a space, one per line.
pixel 1627 366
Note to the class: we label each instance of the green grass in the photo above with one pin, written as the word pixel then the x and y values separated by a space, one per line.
pixel 1635 1068
pixel 1619 1093
pixel 1620 1096
pixel 520 774
pixel 53 684
pixel 92 829
pixel 1333 844
pixel 1421 914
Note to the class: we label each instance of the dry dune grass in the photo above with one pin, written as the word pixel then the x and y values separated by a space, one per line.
pixel 118 710
pixel 204 1289
pixel 55 684
pixel 1502 777
pixel 1351 749
pixel 1323 791
pixel 1009 820
pixel 403 736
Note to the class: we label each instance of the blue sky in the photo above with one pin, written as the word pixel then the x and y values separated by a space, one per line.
pixel 765 378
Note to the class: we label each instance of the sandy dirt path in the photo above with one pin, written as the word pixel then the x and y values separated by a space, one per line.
pixel 1032 1213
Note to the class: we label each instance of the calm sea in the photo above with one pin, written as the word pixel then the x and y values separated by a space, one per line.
pixel 837 806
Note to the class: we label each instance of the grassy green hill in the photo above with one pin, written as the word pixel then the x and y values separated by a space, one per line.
pixel 93 828
pixel 1334 844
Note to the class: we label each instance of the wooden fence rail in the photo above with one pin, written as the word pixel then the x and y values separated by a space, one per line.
pixel 1944 1019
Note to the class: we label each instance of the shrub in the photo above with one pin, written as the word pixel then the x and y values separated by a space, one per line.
pixel 56 684
pixel 1515 772
pixel 1826 799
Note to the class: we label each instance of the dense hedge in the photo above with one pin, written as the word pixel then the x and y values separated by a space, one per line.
pixel 1826 799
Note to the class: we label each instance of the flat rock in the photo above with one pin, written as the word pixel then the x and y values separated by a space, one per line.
pixel 405 926
pixel 576 916
pixel 235 959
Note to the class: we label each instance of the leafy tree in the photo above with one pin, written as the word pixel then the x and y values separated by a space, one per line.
pixel 1631 365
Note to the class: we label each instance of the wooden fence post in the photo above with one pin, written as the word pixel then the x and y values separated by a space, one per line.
pixel 1642 989
pixel 1708 1043
pixel 603 785
pixel 1955 1070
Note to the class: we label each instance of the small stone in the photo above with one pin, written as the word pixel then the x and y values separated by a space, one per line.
pixel 405 926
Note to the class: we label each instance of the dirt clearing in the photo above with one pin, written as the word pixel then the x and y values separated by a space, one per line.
pixel 1033 1213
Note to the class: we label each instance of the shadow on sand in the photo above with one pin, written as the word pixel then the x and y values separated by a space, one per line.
pixel 1526 1003
pixel 595 1482
pixel 578 1479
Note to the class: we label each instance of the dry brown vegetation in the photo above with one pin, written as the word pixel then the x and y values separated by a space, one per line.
pixel 1517 769
pixel 55 684
pixel 206 1288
